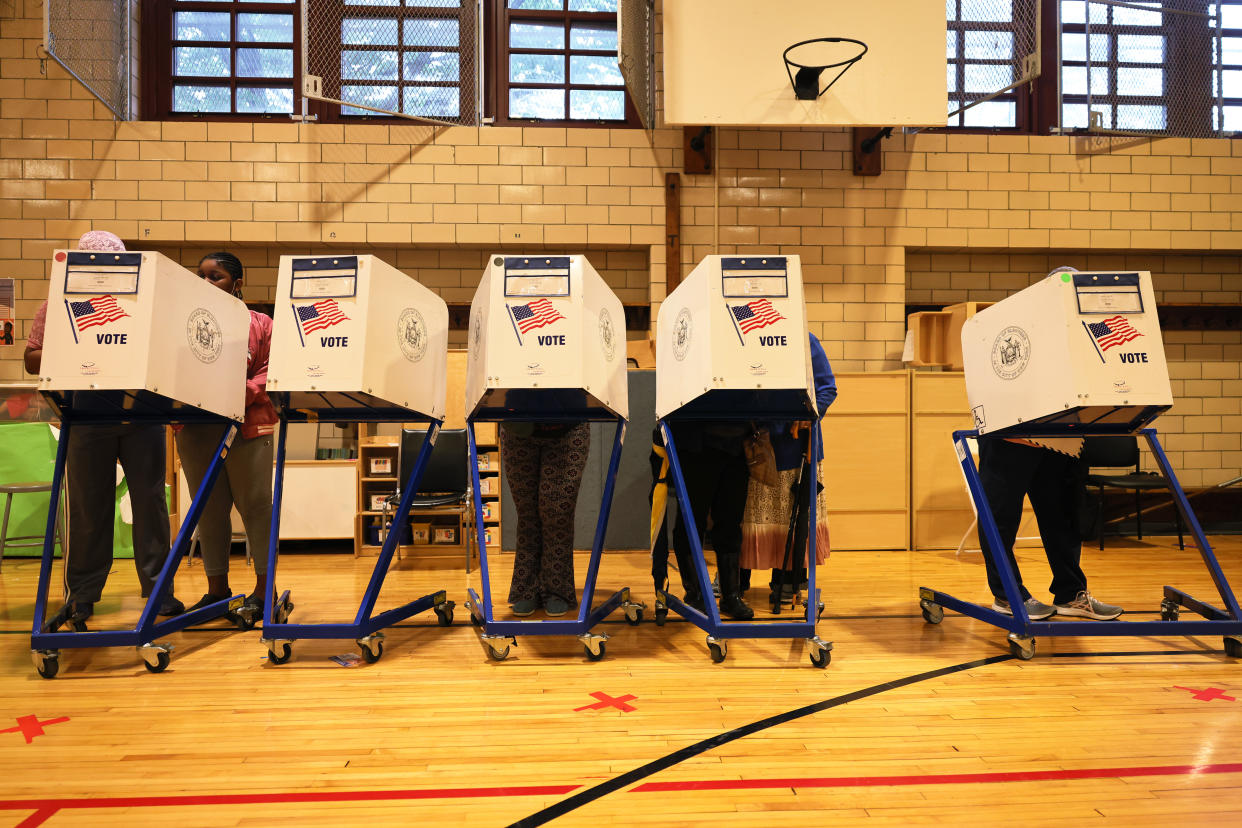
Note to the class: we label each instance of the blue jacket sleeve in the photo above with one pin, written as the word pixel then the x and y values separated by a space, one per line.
pixel 825 382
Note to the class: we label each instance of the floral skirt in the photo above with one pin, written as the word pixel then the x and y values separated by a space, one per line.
pixel 765 524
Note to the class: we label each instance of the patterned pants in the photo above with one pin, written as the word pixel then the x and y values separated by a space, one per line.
pixel 544 474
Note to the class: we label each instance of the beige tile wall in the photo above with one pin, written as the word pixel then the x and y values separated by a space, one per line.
pixel 66 166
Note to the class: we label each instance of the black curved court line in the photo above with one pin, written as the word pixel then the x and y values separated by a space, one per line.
pixel 643 771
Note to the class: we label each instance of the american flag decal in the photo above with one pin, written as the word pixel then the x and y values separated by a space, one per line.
pixel 534 315
pixel 98 310
pixel 1112 332
pixel 323 314
pixel 755 315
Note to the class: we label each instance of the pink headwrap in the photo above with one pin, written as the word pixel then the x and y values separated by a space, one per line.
pixel 101 240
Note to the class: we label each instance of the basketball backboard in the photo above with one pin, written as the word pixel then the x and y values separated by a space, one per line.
pixel 723 62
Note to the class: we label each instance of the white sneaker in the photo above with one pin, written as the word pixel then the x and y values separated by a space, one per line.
pixel 1036 610
pixel 1084 606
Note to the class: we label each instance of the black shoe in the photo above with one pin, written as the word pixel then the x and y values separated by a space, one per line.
pixel 254 601
pixel 206 601
pixel 695 602
pixel 734 607
pixel 171 606
pixel 73 612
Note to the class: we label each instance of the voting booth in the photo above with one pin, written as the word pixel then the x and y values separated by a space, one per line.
pixel 732 337
pixel 1074 355
pixel 547 344
pixel 547 336
pixel 732 345
pixel 134 338
pixel 1072 350
pixel 354 340
pixel 355 332
pixel 143 335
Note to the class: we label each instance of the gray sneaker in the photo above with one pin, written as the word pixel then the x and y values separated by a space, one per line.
pixel 1036 610
pixel 1084 606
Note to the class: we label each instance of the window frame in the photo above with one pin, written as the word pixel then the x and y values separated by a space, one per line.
pixel 333 113
pixel 158 46
pixel 496 66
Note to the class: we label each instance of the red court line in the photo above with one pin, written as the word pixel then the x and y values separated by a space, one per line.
pixel 936 779
pixel 53 805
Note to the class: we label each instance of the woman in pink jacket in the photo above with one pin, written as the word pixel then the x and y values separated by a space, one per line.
pixel 246 479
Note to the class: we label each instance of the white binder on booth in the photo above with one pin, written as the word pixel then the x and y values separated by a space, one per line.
pixel 355 332
pixel 733 338
pixel 547 335
pixel 139 323
pixel 1074 349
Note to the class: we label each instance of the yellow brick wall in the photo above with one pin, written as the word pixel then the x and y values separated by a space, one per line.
pixel 66 166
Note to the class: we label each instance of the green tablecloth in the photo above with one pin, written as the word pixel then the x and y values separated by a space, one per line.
pixel 27 455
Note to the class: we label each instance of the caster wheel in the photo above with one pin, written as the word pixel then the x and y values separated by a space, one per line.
pixel 820 615
pixel 932 613
pixel 635 619
pixel 820 658
pixel 1022 648
pixel 48 667
pixel 661 615
pixel 444 617
pixel 595 656
pixel 161 663
pixel 281 655
pixel 497 655
pixel 373 653
pixel 717 651
pixel 1169 611
pixel 1233 647
pixel 245 623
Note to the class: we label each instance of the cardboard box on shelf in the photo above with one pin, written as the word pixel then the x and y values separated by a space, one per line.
pixel 422 532
pixel 381 465
pixel 444 534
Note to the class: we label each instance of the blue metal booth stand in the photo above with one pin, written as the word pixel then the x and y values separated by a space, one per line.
pixel 112 408
pixel 1023 631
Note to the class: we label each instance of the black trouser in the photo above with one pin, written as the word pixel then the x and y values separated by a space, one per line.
pixel 716 484
pixel 1054 483
pixel 92 456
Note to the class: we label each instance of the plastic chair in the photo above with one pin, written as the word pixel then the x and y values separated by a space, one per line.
pixel 1120 452
pixel 971 531
pixel 445 482
pixel 23 541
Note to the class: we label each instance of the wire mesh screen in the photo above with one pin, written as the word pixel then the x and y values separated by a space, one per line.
pixel 417 58
pixel 90 38
pixel 1164 68
pixel 636 53
pixel 992 47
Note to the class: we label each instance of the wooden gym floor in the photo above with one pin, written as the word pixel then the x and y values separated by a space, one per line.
pixel 910 723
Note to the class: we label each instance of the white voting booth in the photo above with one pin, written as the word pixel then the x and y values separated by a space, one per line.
pixel 546 334
pixel 354 339
pixel 732 345
pixel 733 338
pixel 140 323
pixel 355 332
pixel 547 343
pixel 134 338
pixel 1071 350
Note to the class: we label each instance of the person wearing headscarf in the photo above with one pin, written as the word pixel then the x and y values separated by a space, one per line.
pixel 92 455
pixel 246 479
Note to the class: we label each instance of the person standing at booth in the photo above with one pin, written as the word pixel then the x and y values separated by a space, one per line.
pixel 714 467
pixel 543 465
pixel 91 459
pixel 246 479
pixel 769 510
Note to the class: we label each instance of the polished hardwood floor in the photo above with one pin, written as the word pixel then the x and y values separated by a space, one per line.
pixel 910 723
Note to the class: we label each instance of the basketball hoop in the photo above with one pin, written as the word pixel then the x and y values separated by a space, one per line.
pixel 806 82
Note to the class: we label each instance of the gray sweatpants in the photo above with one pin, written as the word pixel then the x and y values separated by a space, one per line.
pixel 92 456
pixel 245 481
